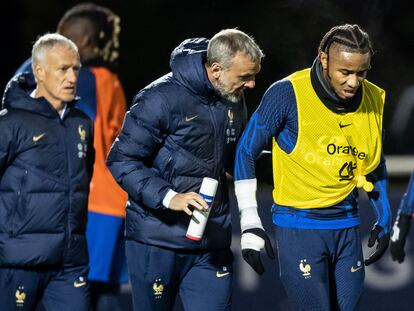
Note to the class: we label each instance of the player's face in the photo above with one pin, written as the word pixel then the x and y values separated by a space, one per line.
pixel 240 75
pixel 345 71
pixel 57 75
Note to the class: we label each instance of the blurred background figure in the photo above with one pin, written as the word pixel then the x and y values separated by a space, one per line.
pixel 402 223
pixel 401 124
pixel 95 30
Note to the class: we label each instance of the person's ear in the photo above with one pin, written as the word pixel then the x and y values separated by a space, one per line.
pixel 39 72
pixel 216 70
pixel 324 60
pixel 83 42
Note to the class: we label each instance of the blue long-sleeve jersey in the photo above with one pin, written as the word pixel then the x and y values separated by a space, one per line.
pixel 277 117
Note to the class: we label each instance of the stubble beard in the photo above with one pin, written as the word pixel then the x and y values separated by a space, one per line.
pixel 233 97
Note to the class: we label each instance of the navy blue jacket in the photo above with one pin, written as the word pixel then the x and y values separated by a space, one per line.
pixel 178 131
pixel 45 169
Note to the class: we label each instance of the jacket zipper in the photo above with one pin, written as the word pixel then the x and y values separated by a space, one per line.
pixel 68 210
pixel 213 121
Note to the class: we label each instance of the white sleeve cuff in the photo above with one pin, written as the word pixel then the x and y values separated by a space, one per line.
pixel 245 190
pixel 167 199
pixel 246 199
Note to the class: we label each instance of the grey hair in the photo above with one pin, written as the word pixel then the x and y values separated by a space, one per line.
pixel 49 41
pixel 225 44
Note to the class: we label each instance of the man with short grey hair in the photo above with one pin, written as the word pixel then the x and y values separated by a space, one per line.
pixel 49 41
pixel 181 128
pixel 46 159
pixel 224 48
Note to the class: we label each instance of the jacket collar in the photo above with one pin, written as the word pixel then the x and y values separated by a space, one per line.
pixel 17 96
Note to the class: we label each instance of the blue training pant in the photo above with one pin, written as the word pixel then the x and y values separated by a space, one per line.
pixel 202 279
pixel 66 289
pixel 321 269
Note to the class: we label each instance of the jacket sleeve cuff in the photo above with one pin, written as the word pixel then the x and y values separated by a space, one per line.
pixel 167 199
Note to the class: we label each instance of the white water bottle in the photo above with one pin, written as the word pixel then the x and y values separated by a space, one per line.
pixel 199 218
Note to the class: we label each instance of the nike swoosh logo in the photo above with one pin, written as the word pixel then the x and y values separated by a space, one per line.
pixel 38 137
pixel 220 275
pixel 188 119
pixel 344 125
pixel 355 269
pixel 77 284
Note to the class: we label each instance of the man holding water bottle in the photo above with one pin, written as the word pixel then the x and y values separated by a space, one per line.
pixel 182 128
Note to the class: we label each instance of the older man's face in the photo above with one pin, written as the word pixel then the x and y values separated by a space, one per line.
pixel 57 75
pixel 240 75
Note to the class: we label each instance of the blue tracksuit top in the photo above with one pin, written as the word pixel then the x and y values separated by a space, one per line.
pixel 178 131
pixel 45 168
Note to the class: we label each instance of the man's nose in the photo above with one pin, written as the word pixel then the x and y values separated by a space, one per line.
pixel 250 84
pixel 72 75
pixel 353 81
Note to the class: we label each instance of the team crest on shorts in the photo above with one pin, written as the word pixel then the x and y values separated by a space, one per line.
pixel 20 296
pixel 158 288
pixel 305 268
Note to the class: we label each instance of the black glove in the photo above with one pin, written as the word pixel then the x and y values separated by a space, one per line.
pixel 252 242
pixel 399 233
pixel 382 244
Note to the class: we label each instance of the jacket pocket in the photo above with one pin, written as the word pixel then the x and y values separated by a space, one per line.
pixel 168 168
pixel 8 202
pixel 19 211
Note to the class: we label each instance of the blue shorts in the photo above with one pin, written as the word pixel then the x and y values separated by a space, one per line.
pixel 64 290
pixel 106 247
pixel 202 279
pixel 321 269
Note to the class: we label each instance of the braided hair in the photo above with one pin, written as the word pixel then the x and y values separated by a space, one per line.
pixel 349 38
pixel 104 31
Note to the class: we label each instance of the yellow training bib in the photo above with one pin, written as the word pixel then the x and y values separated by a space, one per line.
pixel 333 152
